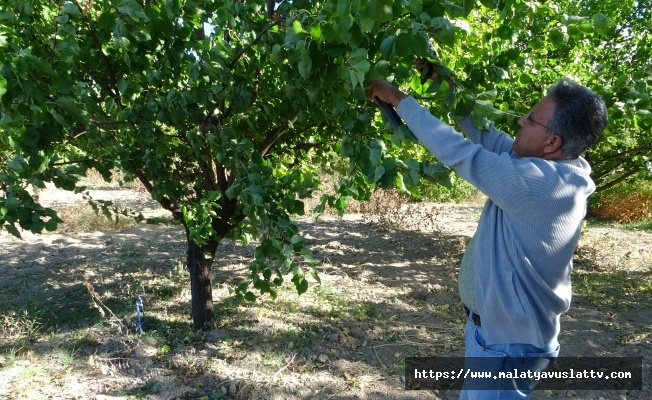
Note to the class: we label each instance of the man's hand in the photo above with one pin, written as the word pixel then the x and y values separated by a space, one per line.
pixel 429 70
pixel 426 69
pixel 383 90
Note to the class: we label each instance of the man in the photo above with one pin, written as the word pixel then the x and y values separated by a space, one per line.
pixel 515 274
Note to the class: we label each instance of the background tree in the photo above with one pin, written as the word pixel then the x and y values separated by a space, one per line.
pixel 513 52
pixel 226 111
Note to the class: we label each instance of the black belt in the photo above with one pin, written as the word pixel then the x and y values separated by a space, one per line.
pixel 475 317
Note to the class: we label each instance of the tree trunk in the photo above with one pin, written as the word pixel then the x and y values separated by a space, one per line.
pixel 200 262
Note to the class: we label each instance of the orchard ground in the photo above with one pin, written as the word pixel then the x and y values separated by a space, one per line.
pixel 388 291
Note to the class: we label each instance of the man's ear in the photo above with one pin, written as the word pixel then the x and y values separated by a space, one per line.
pixel 553 144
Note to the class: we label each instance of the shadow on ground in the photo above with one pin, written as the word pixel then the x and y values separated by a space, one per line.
pixel 385 295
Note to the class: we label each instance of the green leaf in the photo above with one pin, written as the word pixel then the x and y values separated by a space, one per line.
pixel 315 32
pixel 310 259
pixel 467 7
pixel 7 15
pixel 17 163
pixel 70 8
pixel 586 28
pixel 12 229
pixel 483 108
pixel 557 37
pixel 415 7
pixel 376 152
pixel 387 46
pixel 301 285
pixel 142 36
pixel 51 225
pixel 479 121
pixel 525 79
pixel 380 171
pixel 400 183
pixel 233 191
pixel 444 91
pixel 443 31
pixel 218 395
pixel 343 8
pixel 366 23
pixel 406 133
pixel 242 287
pixel 536 43
pixel 358 55
pixel 12 203
pixel 298 29
pixel 346 148
pixel 453 10
pixel 305 65
pixel 409 45
pixel 3 86
pixel 601 21
pixel 362 66
pixel 489 94
pixel 297 240
pixel 379 10
pixel 443 70
pixel 315 276
pixel 497 74
pixel 249 296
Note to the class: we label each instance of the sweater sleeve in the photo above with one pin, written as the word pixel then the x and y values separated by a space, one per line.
pixel 512 184
pixel 493 140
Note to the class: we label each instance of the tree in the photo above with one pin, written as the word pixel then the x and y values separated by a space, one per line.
pixel 623 72
pixel 519 48
pixel 226 110
pixel 221 109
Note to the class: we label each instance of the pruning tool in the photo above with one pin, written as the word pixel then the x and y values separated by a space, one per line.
pixel 389 113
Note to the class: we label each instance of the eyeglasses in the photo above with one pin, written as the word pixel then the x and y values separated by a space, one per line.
pixel 529 118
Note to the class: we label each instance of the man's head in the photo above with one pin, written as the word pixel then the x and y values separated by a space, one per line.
pixel 580 117
pixel 564 124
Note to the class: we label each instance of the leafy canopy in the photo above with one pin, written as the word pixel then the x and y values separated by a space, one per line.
pixel 229 112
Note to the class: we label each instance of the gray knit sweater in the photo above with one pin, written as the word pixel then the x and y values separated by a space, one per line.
pixel 528 230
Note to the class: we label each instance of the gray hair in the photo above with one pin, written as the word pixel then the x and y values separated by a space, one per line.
pixel 580 116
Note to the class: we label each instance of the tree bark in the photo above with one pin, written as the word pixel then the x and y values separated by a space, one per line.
pixel 200 261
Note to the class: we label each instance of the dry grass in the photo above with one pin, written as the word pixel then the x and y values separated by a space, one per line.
pixel 347 337
pixel 82 218
pixel 386 207
pixel 623 207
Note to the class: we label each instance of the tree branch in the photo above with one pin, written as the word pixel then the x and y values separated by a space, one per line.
pixel 628 153
pixel 222 178
pixel 310 146
pixel 73 162
pixel 617 180
pixel 164 201
pixel 250 45
pixel 115 93
pixel 206 164
pixel 99 123
pixel 273 136
pixel 54 41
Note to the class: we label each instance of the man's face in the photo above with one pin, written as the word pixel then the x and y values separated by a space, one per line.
pixel 532 139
